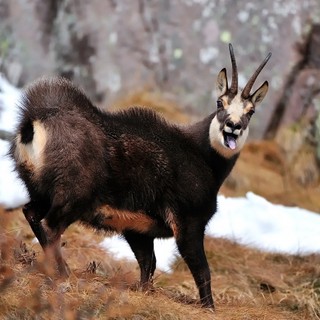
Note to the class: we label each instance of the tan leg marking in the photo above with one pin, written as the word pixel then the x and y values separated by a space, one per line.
pixel 171 222
pixel 121 220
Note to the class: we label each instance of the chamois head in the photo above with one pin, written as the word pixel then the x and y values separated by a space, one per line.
pixel 229 127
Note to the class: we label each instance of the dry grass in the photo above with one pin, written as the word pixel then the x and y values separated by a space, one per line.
pixel 247 284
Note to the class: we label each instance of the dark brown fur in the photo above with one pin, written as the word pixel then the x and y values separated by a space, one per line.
pixel 99 168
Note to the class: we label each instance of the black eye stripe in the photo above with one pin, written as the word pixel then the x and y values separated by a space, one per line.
pixel 222 115
pixel 219 104
pixel 245 121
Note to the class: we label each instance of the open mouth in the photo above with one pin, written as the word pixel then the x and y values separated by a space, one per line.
pixel 230 140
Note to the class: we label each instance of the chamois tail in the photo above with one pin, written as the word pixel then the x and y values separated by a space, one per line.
pixel 26 131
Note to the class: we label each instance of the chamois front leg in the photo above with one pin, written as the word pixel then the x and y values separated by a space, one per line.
pixel 142 247
pixel 189 240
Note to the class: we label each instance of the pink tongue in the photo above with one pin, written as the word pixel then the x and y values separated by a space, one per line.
pixel 231 142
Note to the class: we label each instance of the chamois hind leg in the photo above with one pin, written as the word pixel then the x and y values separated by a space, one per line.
pixel 61 214
pixel 49 239
pixel 34 211
pixel 142 247
pixel 189 240
pixel 52 249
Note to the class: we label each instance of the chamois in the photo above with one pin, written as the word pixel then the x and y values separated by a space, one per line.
pixel 129 172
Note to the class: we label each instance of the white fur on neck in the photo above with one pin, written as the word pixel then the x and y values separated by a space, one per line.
pixel 217 140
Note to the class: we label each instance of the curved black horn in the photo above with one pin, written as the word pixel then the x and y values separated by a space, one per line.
pixel 234 82
pixel 246 91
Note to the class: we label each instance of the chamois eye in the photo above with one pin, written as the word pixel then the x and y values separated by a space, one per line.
pixel 251 112
pixel 219 104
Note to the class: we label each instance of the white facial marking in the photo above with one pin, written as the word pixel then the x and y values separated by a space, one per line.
pixel 217 139
pixel 235 109
pixel 227 129
pixel 236 132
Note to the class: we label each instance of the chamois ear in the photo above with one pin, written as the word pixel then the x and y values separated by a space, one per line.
pixel 222 83
pixel 259 94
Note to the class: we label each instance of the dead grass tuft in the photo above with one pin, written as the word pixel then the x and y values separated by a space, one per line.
pixel 24 255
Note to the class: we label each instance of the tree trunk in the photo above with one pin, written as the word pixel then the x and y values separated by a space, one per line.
pixel 300 101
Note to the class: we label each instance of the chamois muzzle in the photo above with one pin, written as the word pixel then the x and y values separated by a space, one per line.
pixel 231 132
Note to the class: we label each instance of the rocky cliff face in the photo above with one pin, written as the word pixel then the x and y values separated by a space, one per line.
pixel 178 47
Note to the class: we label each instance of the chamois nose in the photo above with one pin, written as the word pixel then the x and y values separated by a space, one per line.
pixel 233 126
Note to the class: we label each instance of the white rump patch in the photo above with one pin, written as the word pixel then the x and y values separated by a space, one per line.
pixel 32 154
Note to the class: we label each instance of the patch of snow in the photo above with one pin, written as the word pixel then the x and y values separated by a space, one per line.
pixel 12 190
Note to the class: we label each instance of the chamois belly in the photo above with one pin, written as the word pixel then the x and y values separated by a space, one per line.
pixel 112 219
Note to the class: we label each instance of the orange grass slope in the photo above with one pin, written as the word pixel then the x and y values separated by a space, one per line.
pixel 247 284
